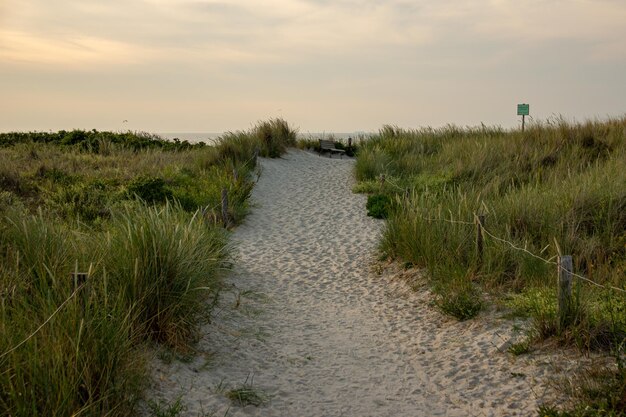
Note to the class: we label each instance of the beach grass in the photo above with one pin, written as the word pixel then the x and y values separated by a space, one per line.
pixel 111 242
pixel 559 188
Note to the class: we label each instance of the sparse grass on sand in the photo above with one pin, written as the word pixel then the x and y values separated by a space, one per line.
pixel 247 394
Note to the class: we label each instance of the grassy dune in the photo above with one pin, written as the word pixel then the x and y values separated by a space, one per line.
pixel 142 217
pixel 558 188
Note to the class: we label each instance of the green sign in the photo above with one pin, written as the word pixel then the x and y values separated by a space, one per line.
pixel 523 109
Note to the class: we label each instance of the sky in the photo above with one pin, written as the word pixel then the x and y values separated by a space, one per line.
pixel 322 65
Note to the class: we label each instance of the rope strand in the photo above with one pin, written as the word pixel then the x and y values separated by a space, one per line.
pixel 44 323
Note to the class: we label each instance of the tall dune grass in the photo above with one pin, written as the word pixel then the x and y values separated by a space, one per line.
pixel 557 182
pixel 143 219
pixel 558 188
pixel 163 261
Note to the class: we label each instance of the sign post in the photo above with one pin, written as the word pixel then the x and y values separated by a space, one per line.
pixel 523 110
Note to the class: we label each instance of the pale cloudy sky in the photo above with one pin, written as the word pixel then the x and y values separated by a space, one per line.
pixel 334 66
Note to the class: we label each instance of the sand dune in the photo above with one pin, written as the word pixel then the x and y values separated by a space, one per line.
pixel 309 324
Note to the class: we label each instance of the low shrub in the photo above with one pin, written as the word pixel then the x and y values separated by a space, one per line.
pixel 378 206
pixel 149 189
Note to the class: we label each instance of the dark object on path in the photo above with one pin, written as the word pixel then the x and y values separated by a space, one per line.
pixel 329 146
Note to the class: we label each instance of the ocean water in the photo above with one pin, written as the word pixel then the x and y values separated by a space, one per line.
pixel 211 137
pixel 192 137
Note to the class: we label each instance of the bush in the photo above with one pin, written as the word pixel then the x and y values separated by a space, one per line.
pixel 149 189
pixel 378 206
pixel 462 304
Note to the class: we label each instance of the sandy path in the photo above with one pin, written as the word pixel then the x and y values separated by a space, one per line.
pixel 312 327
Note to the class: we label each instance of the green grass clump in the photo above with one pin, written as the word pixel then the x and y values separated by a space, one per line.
pixel 455 292
pixel 246 395
pixel 460 303
pixel 378 206
pixel 275 136
pixel 520 348
pixel 165 409
pixel 164 261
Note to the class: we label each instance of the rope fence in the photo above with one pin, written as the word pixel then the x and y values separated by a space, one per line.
pixel 383 179
pixel 81 277
pixel 549 261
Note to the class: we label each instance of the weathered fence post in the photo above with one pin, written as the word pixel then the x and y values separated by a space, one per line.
pixel 225 217
pixel 480 223
pixel 80 279
pixel 233 166
pixel 565 291
pixel 256 154
pixel 381 179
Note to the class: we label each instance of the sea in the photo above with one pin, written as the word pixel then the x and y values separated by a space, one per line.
pixel 211 137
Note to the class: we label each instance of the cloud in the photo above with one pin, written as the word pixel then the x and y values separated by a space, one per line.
pixel 225 31
pixel 219 33
pixel 312 57
pixel 70 52
pixel 541 20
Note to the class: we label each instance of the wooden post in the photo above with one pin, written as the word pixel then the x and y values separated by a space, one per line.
pixel 480 222
pixel 565 291
pixel 382 181
pixel 225 218
pixel 523 122
pixel 80 279
pixel 256 154
pixel 234 169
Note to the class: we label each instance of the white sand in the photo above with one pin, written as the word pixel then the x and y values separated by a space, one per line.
pixel 311 326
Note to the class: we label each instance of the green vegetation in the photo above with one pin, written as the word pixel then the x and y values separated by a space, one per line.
pixel 247 395
pixel 100 142
pixel 165 409
pixel 520 348
pixel 558 188
pixel 378 206
pixel 141 217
